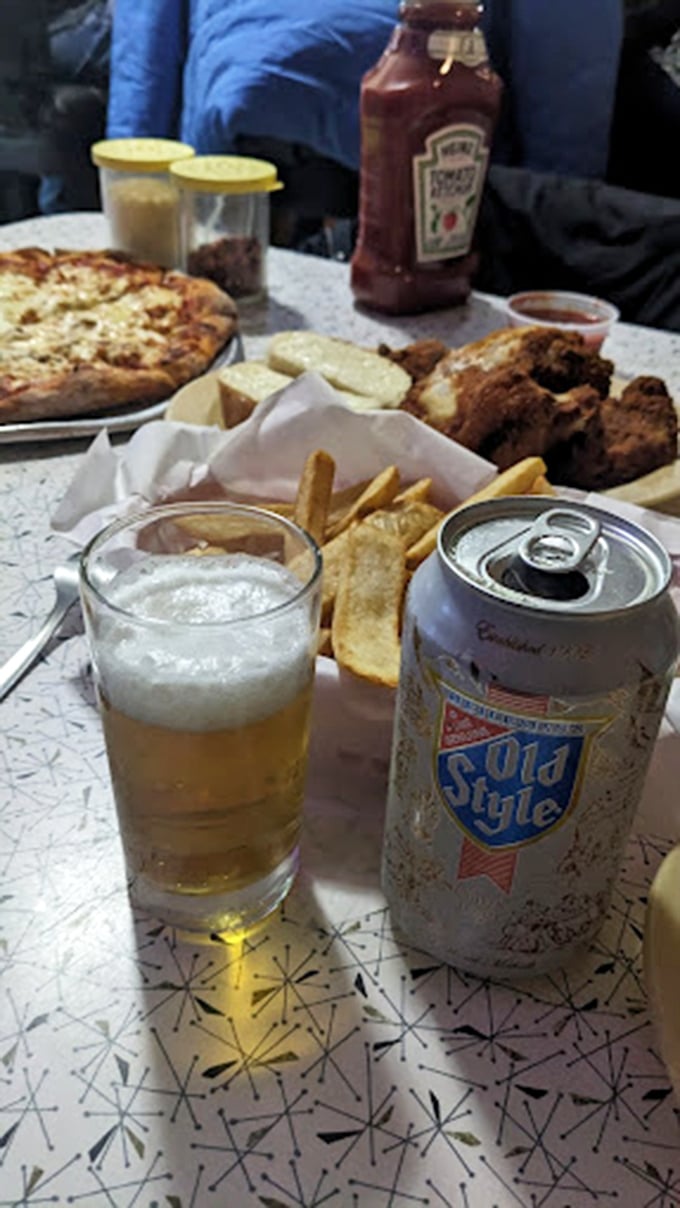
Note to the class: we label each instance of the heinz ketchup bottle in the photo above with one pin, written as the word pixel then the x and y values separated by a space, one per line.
pixel 428 111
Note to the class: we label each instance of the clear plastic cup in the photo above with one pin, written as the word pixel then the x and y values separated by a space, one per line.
pixel 589 316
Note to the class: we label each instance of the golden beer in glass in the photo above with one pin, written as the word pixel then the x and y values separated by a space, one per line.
pixel 203 625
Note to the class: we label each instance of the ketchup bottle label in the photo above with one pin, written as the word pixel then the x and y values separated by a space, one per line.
pixel 448 178
pixel 468 47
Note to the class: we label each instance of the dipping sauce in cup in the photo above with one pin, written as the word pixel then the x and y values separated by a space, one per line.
pixel 591 317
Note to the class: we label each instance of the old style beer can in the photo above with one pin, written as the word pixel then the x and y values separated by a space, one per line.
pixel 538 648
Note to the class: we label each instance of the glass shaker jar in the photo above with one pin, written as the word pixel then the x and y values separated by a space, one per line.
pixel 139 198
pixel 224 220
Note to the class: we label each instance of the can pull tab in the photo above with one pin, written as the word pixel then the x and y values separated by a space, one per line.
pixel 548 562
pixel 559 541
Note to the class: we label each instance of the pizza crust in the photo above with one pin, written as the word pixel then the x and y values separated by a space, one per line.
pixel 86 391
pixel 86 332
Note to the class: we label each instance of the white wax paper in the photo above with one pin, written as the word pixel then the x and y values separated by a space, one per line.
pixel 263 457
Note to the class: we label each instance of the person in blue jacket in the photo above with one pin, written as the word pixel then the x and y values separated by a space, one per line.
pixel 214 72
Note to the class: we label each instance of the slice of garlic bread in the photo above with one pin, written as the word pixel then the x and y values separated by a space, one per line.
pixel 245 384
pixel 347 367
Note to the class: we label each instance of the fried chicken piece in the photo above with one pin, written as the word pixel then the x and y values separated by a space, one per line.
pixel 560 360
pixel 577 412
pixel 502 415
pixel 554 360
pixel 542 392
pixel 418 359
pixel 632 435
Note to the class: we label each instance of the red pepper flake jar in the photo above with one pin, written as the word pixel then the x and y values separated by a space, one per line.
pixel 428 111
pixel 224 220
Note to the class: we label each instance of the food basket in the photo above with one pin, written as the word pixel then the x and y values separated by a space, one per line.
pixel 261 461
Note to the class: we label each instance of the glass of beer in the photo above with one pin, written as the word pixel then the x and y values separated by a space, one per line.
pixel 203 623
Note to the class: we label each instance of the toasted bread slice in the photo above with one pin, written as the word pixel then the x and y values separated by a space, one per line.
pixel 356 370
pixel 243 385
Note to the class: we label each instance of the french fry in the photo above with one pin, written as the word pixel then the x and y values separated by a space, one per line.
pixel 314 494
pixel 239 531
pixel 417 492
pixel 379 492
pixel 421 549
pixel 365 627
pixel 343 499
pixel 286 510
pixel 541 486
pixel 408 519
pixel 516 480
pixel 333 554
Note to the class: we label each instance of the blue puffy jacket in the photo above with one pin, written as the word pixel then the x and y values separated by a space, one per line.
pixel 209 70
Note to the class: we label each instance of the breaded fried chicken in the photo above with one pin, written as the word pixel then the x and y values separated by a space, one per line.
pixel 501 414
pixel 523 392
pixel 632 435
pixel 418 359
pixel 576 413
pixel 561 360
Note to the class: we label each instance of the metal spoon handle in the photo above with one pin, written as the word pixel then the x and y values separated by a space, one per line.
pixel 18 664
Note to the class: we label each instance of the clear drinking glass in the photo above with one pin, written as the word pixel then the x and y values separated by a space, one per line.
pixel 203 622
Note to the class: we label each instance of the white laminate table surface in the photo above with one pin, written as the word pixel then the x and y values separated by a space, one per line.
pixel 322 1062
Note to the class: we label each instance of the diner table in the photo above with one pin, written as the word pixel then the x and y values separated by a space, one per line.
pixel 321 1060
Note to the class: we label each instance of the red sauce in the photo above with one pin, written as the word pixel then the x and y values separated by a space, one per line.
pixel 554 314
pixel 428 110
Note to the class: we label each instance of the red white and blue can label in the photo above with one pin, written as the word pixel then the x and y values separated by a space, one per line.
pixel 506 778
pixel 507 812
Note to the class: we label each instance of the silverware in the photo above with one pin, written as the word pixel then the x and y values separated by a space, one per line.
pixel 66 585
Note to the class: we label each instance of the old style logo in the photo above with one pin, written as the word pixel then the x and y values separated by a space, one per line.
pixel 506 778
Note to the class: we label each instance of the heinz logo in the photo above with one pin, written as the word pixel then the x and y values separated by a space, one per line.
pixel 507 778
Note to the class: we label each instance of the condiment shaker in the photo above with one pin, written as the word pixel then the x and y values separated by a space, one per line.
pixel 139 198
pixel 224 220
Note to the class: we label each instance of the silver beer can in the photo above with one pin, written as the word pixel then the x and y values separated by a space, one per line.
pixel 539 643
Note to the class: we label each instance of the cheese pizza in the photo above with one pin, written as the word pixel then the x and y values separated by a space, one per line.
pixel 85 332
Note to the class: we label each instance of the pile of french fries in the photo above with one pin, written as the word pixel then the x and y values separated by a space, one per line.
pixel 372 537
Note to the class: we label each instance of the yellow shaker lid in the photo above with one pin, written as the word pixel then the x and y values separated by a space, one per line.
pixel 139 154
pixel 226 174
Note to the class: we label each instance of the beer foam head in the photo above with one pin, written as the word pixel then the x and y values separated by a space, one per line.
pixel 206 643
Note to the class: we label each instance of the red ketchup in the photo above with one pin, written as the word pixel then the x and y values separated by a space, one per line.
pixel 428 111
pixel 556 314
